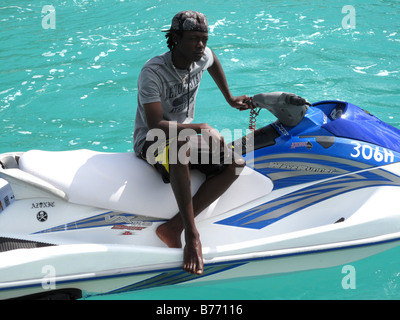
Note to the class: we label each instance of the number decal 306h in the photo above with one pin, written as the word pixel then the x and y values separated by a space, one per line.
pixel 368 152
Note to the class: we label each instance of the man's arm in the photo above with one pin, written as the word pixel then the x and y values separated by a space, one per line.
pixel 155 120
pixel 218 74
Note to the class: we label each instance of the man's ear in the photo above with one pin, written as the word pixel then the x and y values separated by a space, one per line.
pixel 175 37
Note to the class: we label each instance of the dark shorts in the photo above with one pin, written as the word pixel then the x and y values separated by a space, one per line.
pixel 161 156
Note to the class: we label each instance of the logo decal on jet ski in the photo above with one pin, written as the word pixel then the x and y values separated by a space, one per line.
pixel 103 220
pixel 280 128
pixel 302 144
pixel 42 216
pixel 40 205
pixel 136 228
pixel 277 209
pixel 289 169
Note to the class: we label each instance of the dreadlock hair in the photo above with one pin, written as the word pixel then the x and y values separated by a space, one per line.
pixel 169 36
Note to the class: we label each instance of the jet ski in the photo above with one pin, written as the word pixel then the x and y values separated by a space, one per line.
pixel 319 189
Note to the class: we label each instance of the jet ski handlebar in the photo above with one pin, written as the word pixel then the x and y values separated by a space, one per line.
pixel 287 107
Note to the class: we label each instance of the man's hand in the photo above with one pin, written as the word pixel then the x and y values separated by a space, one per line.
pixel 212 137
pixel 239 102
pixel 215 140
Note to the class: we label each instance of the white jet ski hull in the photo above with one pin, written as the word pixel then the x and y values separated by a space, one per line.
pixel 312 196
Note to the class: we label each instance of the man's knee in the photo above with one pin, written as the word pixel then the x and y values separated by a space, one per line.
pixel 239 162
pixel 237 166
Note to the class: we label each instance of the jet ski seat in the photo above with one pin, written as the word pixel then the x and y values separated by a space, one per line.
pixel 123 182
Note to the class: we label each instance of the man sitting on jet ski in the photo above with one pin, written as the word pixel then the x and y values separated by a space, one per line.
pixel 167 89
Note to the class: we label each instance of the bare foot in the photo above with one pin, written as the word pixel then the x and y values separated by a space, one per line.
pixel 193 257
pixel 170 236
pixel 192 253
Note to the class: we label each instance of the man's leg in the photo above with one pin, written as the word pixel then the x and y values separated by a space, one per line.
pixel 210 190
pixel 180 182
pixel 179 177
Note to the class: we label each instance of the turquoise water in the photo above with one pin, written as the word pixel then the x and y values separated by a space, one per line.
pixel 74 87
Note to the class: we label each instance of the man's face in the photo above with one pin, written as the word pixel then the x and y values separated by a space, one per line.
pixel 192 45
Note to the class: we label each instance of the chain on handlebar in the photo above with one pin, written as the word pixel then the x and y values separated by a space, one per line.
pixel 253 114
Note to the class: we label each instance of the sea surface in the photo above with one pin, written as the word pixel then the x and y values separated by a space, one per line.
pixel 68 80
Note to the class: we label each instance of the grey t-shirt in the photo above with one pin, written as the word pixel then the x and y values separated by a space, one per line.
pixel 176 89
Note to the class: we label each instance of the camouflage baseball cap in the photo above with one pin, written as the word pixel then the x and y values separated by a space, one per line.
pixel 189 21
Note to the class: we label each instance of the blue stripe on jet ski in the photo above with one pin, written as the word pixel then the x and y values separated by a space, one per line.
pixel 289 169
pixel 102 220
pixel 277 209
pixel 175 277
